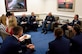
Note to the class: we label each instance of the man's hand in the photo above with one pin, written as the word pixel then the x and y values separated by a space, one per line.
pixel 70 27
pixel 30 46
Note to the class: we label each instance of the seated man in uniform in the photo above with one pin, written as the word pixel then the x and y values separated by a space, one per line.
pixel 32 21
pixel 48 20
pixel 24 22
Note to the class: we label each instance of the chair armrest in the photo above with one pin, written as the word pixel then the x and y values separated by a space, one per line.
pixel 69 33
pixel 81 29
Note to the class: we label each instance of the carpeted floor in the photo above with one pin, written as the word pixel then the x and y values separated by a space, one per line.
pixel 41 40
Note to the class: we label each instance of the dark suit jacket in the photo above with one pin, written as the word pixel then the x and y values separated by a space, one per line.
pixel 24 19
pixel 64 27
pixel 50 18
pixel 59 46
pixel 32 19
pixel 76 47
pixel 12 46
pixel 78 22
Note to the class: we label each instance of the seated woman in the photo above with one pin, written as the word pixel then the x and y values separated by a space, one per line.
pixel 3 20
pixel 60 45
pixel 9 30
pixel 11 22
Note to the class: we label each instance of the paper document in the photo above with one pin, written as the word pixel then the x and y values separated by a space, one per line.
pixel 25 36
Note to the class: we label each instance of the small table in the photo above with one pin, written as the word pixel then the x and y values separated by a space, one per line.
pixel 38 21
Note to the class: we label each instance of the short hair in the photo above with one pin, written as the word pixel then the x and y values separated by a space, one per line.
pixel 8 14
pixel 58 32
pixel 77 15
pixel 17 29
pixel 77 27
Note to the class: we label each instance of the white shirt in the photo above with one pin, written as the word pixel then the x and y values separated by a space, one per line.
pixel 75 22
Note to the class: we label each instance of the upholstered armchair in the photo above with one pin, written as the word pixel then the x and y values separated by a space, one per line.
pixel 55 23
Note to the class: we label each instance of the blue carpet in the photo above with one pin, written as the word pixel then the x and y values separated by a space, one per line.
pixel 1 41
pixel 41 40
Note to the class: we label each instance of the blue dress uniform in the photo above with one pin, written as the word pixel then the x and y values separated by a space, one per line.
pixel 76 41
pixel 26 25
pixel 33 23
pixel 12 46
pixel 59 46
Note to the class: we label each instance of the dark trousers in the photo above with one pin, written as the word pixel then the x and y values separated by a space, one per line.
pixel 64 27
pixel 26 41
pixel 46 26
pixel 26 27
pixel 34 26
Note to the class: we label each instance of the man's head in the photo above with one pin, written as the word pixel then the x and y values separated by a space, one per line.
pixel 32 14
pixel 24 15
pixel 58 32
pixel 76 29
pixel 17 30
pixel 76 17
pixel 50 14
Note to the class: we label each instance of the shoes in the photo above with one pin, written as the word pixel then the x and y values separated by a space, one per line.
pixel 33 50
pixel 35 30
pixel 42 31
pixel 45 32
